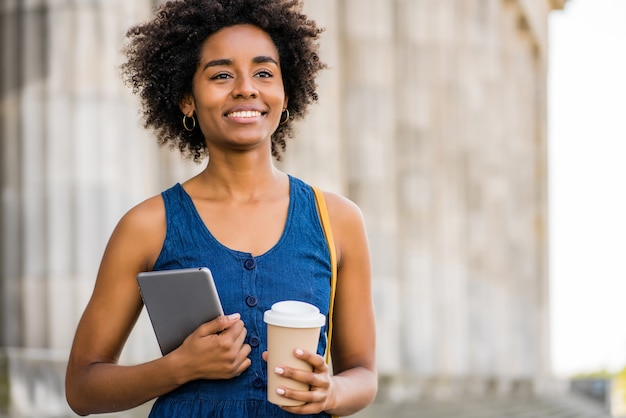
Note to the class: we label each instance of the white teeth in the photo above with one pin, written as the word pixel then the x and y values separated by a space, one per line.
pixel 245 114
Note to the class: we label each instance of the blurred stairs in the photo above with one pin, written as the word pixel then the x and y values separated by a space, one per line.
pixel 565 405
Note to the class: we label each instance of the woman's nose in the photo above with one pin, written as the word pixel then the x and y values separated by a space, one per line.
pixel 244 87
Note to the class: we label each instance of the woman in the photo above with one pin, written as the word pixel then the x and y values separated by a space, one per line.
pixel 224 79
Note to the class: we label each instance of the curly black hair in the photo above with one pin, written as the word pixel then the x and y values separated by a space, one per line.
pixel 163 55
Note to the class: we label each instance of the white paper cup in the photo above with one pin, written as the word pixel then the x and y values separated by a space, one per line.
pixel 290 324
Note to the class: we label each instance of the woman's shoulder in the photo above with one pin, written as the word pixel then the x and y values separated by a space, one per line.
pixel 347 223
pixel 153 208
pixel 139 234
pixel 147 217
pixel 341 208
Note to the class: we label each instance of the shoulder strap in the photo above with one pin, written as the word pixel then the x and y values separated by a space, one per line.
pixel 323 213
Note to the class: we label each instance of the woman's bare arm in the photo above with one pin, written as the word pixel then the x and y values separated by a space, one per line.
pixel 95 382
pixel 354 334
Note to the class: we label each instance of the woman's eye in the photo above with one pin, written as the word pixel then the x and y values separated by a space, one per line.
pixel 221 76
pixel 264 74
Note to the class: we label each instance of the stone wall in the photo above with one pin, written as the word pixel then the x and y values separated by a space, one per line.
pixel 432 118
pixel 440 137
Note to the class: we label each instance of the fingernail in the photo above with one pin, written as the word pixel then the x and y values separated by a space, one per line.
pixel 279 370
pixel 280 391
pixel 234 316
pixel 299 352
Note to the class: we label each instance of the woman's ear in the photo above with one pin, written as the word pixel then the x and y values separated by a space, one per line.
pixel 187 105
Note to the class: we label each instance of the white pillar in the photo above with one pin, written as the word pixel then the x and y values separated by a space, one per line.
pixel 316 153
pixel 75 158
pixel 32 142
pixel 368 91
pixel 10 178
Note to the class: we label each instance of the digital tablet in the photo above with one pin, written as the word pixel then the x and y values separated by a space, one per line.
pixel 178 301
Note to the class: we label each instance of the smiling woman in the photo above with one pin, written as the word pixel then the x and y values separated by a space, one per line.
pixel 224 79
pixel 161 72
pixel 237 95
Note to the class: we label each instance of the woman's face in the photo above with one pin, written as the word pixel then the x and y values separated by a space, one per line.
pixel 238 94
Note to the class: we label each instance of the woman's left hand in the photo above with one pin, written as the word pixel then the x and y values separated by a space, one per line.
pixel 317 398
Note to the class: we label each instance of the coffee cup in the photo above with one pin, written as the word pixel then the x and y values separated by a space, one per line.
pixel 290 324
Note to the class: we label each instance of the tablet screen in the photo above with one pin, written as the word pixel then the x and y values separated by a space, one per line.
pixel 178 302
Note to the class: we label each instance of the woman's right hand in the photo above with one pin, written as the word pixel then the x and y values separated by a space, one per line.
pixel 215 350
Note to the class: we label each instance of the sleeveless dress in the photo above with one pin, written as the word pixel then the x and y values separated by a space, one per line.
pixel 296 268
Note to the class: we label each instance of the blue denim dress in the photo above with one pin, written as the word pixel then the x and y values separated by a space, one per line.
pixel 296 268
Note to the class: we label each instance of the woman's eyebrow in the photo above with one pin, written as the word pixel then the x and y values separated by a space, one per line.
pixel 263 59
pixel 219 62
pixel 226 62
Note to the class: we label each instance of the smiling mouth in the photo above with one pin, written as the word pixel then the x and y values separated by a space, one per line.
pixel 245 114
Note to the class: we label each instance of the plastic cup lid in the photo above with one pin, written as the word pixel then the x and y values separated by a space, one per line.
pixel 294 314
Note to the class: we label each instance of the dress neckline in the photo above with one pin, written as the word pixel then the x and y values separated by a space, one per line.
pixel 210 235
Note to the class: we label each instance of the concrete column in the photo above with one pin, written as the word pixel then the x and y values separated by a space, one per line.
pixel 32 67
pixel 10 176
pixel 369 109
pixel 75 158
pixel 469 176
pixel 60 176
pixel 316 153
pixel 415 156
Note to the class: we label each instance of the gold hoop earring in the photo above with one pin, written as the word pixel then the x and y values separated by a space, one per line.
pixel 187 128
pixel 284 122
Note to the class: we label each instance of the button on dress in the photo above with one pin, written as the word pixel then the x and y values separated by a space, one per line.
pixel 297 267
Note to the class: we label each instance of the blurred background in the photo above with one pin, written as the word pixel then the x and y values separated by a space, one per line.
pixel 483 140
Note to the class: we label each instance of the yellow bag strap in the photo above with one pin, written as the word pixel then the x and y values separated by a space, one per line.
pixel 323 213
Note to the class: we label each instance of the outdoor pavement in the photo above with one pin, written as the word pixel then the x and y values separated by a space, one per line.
pixel 555 406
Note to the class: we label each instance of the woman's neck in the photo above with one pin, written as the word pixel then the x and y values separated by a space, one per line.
pixel 238 179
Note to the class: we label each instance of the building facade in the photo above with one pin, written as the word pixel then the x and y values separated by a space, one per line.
pixel 432 117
